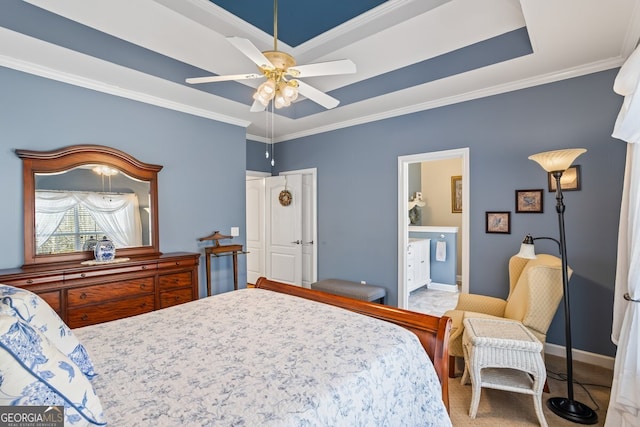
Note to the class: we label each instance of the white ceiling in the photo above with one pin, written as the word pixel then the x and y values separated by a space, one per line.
pixel 569 38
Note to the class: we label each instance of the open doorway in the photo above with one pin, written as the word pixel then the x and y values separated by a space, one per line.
pixel 404 188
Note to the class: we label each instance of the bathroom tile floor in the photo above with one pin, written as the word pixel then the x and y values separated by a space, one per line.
pixel 432 301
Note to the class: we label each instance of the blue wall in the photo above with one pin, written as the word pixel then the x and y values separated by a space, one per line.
pixel 201 187
pixel 202 183
pixel 358 181
pixel 256 160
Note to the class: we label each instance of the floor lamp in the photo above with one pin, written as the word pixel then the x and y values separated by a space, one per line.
pixel 556 162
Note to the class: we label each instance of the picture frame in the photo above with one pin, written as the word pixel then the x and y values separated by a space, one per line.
pixel 456 194
pixel 530 201
pixel 498 222
pixel 569 181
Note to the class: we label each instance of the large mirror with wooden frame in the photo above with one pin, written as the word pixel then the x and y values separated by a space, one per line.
pixel 82 193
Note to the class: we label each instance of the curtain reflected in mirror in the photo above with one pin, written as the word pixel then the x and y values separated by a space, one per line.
pixel 77 207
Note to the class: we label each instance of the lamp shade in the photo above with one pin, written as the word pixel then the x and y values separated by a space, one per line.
pixel 527 249
pixel 557 160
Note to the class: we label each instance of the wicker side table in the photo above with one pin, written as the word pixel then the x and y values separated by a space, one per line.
pixel 504 355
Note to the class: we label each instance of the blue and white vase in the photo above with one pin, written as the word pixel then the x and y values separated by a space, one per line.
pixel 104 250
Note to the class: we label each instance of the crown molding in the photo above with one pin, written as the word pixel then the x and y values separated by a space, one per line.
pixel 21 44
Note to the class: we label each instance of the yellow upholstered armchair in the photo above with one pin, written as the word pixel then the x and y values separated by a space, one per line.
pixel 535 291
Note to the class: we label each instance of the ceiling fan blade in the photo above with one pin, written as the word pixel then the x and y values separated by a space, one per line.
pixel 251 51
pixel 257 107
pixel 317 96
pixel 211 79
pixel 343 66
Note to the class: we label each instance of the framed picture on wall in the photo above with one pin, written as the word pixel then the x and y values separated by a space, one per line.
pixel 456 194
pixel 529 201
pixel 498 222
pixel 569 181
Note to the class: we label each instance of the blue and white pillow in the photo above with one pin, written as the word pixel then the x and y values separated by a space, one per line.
pixel 34 372
pixel 35 311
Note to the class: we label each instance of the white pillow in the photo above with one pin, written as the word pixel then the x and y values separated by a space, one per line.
pixel 34 372
pixel 35 311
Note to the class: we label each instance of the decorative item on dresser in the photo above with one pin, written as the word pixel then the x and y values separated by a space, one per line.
pixel 86 183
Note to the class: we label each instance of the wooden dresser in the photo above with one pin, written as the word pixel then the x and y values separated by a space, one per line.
pixel 84 295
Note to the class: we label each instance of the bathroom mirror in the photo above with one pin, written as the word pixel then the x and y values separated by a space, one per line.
pixel 77 195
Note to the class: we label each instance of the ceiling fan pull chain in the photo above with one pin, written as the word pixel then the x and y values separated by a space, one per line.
pixel 266 126
pixel 273 158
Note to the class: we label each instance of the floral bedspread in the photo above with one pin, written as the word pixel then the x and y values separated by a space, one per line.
pixel 259 358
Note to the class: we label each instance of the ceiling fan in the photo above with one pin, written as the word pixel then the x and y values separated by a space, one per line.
pixel 283 75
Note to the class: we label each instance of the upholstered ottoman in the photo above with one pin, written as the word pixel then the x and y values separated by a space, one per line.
pixel 350 289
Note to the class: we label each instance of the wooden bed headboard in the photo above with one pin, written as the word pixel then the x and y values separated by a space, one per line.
pixel 432 331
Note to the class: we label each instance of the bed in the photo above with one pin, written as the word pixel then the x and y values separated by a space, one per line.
pixel 271 356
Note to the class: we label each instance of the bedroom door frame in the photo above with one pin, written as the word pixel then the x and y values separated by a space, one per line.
pixel 310 225
pixel 403 226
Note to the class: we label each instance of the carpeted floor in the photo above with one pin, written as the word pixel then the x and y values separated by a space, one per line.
pixel 499 408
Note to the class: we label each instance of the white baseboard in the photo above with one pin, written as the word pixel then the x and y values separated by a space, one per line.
pixel 581 356
pixel 443 287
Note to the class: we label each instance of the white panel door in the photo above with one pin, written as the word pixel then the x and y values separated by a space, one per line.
pixel 284 230
pixel 255 229
pixel 309 272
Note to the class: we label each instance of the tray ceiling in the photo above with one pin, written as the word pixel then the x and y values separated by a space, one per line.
pixel 411 55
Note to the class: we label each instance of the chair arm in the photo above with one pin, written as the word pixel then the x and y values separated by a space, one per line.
pixel 476 315
pixel 481 304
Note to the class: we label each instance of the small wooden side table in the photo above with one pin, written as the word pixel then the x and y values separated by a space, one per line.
pixel 221 250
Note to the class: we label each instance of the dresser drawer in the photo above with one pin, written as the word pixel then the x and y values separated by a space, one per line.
pixel 53 299
pixel 109 291
pixel 179 263
pixel 176 280
pixel 30 281
pixel 84 316
pixel 175 297
pixel 120 269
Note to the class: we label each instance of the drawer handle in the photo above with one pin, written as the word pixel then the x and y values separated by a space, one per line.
pixel 29 282
pixel 144 267
pixel 83 296
pixel 176 298
pixel 83 274
pixel 143 305
pixel 85 317
pixel 143 286
pixel 178 262
pixel 176 280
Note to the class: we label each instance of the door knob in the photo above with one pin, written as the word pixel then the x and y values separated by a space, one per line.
pixel 297 242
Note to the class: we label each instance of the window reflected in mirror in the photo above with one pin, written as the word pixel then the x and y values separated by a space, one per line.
pixel 77 207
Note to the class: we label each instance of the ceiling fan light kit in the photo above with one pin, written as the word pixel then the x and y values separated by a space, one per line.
pixel 281 72
pixel 277 87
